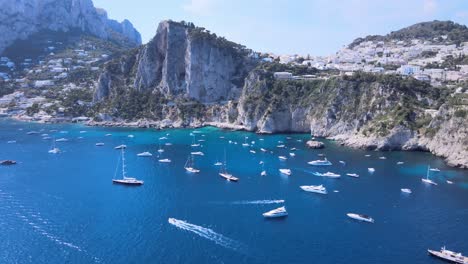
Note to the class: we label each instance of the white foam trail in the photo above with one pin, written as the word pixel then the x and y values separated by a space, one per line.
pixel 208 234
pixel 259 202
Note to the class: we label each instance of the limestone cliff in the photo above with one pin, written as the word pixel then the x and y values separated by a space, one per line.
pixel 23 18
pixel 182 60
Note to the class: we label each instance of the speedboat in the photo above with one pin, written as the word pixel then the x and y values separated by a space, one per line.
pixel 54 151
pixel 323 162
pixel 285 171
pixel 263 150
pixel 449 182
pixel 278 212
pixel 361 217
pixel 199 153
pixel 282 158
pixel 353 175
pixel 99 144
pixel 449 255
pixel 164 160
pixel 121 147
pixel 371 170
pixel 314 188
pixel 252 151
pixel 145 154
pixel 7 162
pixel 405 190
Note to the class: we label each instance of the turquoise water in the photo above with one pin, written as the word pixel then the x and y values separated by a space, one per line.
pixel 64 208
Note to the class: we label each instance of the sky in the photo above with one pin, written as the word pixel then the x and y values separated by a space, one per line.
pixel 315 27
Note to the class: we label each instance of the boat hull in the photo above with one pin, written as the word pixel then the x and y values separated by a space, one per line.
pixel 129 183
pixel 441 256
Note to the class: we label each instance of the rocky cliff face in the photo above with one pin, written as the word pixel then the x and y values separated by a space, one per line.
pixel 21 18
pixel 182 60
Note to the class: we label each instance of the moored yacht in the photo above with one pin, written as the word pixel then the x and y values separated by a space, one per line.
pixel 361 217
pixel 145 154
pixel 449 182
pixel 327 174
pixel 371 170
pixel 125 179
pixel 353 175
pixel 54 149
pixel 100 144
pixel 164 160
pixel 278 212
pixel 282 158
pixel 448 255
pixel 406 190
pixel 434 169
pixel 314 188
pixel 285 171
pixel 121 147
pixel 427 180
pixel 189 165
pixel 223 171
pixel 323 162
pixel 198 153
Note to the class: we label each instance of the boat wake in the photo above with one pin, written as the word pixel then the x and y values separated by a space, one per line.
pixel 208 234
pixel 258 202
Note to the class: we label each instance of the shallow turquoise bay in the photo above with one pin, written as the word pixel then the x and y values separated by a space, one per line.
pixel 64 208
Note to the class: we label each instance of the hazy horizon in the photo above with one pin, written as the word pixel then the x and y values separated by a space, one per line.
pixel 316 27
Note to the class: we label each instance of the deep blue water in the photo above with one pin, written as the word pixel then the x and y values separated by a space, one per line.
pixel 64 208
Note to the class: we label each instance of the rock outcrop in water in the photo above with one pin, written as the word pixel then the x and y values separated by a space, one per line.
pixel 21 19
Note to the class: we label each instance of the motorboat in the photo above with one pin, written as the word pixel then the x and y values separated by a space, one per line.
pixel 342 162
pixel 198 153
pixel 263 173
pixel 449 182
pixel 54 151
pixel 292 154
pixel 281 146
pixel 263 150
pixel 314 188
pixel 285 171
pixel 448 255
pixel 164 160
pixel 400 163
pixel 282 158
pixel 100 144
pixel 434 169
pixel 278 212
pixel 371 170
pixel 131 136
pixel 125 179
pixel 11 142
pixel 145 154
pixel 323 162
pixel 327 174
pixel 61 140
pixel 218 163
pixel 383 158
pixel 252 151
pixel 7 162
pixel 361 217
pixel 353 175
pixel 121 147
pixel 405 190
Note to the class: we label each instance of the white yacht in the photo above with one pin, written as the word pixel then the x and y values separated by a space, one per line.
pixel 198 153
pixel 314 188
pixel 100 144
pixel 292 154
pixel 218 163
pixel 131 136
pixel 121 147
pixel 383 158
pixel 164 160
pixel 285 171
pixel 126 180
pixel 281 146
pixel 54 149
pixel 252 151
pixel 278 212
pixel 263 150
pixel 434 169
pixel 282 158
pixel 371 170
pixel 224 173
pixel 342 162
pixel 427 180
pixel 405 190
pixel 449 255
pixel 263 173
pixel 361 217
pixel 400 163
pixel 245 144
pixel 61 140
pixel 449 182
pixel 189 165
pixel 108 135
pixel 323 162
pixel 353 175
pixel 327 174
pixel 145 154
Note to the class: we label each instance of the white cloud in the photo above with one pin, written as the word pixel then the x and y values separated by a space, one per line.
pixel 200 7
pixel 429 6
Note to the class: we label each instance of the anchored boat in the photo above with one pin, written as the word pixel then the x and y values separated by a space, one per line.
pixel 448 255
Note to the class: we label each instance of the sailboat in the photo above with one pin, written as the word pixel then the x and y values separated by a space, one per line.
pixel 194 144
pixel 54 149
pixel 126 180
pixel 427 180
pixel 245 144
pixel 189 165
pixel 223 171
pixel 263 173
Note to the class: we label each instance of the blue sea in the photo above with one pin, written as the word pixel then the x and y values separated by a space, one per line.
pixel 64 208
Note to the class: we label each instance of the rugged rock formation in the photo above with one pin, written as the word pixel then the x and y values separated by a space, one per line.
pixel 182 60
pixel 22 18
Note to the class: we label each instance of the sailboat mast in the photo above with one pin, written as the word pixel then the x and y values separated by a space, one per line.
pixel 123 163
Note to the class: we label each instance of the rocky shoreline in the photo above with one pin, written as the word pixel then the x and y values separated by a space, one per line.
pixel 400 139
